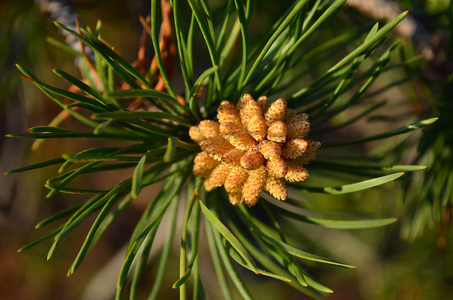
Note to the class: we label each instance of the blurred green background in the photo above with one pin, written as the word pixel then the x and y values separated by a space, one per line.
pixel 389 267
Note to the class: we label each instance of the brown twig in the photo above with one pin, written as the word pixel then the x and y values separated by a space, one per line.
pixel 167 51
pixel 166 46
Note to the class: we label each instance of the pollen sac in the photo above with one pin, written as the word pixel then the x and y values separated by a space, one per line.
pixel 243 101
pixel 252 148
pixel 270 150
pixel 228 128
pixel 277 132
pixel 290 113
pixel 235 180
pixel 208 186
pixel 216 146
pixel 235 197
pixel 209 128
pixel 233 157
pixel 196 135
pixel 310 153
pixel 276 187
pixel 296 173
pixel 254 186
pixel 201 171
pixel 277 167
pixel 238 136
pixel 276 111
pixel 298 127
pixel 204 159
pixel 252 160
pixel 263 103
pixel 294 148
pixel 249 110
pixel 219 175
pixel 257 128
pixel 227 113
pixel 204 164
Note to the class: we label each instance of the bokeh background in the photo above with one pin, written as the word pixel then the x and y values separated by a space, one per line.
pixel 389 266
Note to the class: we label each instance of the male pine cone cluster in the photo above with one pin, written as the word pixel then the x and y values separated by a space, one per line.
pixel 253 147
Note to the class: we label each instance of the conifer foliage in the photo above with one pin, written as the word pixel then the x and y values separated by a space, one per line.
pixel 228 127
